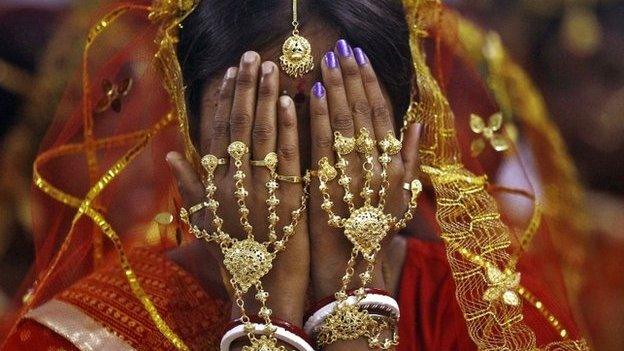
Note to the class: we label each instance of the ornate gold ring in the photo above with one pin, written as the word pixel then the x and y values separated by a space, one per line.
pixel 269 161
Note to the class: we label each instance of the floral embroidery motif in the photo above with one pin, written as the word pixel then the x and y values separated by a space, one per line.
pixel 488 133
pixel 503 286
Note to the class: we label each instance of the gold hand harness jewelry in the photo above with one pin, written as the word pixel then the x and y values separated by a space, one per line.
pixel 247 260
pixel 365 227
pixel 296 59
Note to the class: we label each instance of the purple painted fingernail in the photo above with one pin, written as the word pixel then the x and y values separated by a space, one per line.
pixel 330 60
pixel 343 48
pixel 318 90
pixel 360 56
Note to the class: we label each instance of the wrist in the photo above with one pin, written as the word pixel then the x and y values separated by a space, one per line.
pixel 287 297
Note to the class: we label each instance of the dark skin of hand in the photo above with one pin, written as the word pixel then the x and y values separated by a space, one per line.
pixel 246 105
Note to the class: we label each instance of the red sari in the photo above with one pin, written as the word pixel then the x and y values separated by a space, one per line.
pixel 100 312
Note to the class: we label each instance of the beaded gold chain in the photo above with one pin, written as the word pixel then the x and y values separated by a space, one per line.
pixel 248 260
pixel 365 228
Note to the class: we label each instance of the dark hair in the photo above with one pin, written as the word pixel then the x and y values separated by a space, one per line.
pixel 218 32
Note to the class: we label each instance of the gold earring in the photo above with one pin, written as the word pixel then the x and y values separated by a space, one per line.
pixel 296 59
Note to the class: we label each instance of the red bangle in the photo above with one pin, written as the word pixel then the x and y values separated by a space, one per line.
pixel 275 321
pixel 329 299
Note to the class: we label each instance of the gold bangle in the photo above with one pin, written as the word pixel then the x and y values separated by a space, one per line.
pixel 269 161
pixel 196 208
pixel 294 179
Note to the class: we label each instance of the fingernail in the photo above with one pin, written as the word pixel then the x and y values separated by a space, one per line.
pixel 330 60
pixel 250 57
pixel 360 56
pixel 285 101
pixel 343 48
pixel 318 90
pixel 267 68
pixel 230 73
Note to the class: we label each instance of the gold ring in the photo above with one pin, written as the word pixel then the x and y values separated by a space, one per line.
pixel 270 161
pixel 237 150
pixel 290 178
pixel 197 208
pixel 210 162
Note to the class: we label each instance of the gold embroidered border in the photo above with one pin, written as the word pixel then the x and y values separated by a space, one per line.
pixel 78 328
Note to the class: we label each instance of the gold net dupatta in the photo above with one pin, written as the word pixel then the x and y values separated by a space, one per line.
pixel 167 14
pixel 478 242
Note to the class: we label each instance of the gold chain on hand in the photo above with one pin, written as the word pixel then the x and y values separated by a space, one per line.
pixel 365 227
pixel 248 260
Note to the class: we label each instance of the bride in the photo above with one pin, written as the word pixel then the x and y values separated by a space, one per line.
pixel 244 174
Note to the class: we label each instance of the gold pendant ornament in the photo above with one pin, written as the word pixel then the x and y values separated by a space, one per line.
pixel 365 227
pixel 296 59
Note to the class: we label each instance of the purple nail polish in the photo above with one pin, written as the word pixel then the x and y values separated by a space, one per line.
pixel 318 90
pixel 360 56
pixel 343 48
pixel 330 60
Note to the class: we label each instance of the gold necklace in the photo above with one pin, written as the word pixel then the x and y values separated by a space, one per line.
pixel 296 59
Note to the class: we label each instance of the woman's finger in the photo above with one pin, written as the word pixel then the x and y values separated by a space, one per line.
pixel 381 115
pixel 209 104
pixel 264 135
pixel 340 113
pixel 320 127
pixel 221 120
pixel 354 88
pixel 244 105
pixel 340 119
pixel 288 141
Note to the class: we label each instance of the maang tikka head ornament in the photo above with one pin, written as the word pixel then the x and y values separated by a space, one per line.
pixel 296 59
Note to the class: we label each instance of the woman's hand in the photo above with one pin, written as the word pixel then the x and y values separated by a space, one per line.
pixel 350 100
pixel 247 108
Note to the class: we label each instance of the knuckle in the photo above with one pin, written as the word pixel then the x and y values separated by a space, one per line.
pixel 323 141
pixel 381 114
pixel 287 121
pixel 245 79
pixel 318 112
pixel 288 152
pixel 240 119
pixel 263 131
pixel 220 128
pixel 266 91
pixel 343 120
pixel 360 108
pixel 368 78
pixel 334 81
pixel 351 70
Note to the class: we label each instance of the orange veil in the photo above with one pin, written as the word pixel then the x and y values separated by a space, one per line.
pixel 501 188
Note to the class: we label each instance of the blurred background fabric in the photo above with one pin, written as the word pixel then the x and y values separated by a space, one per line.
pixel 573 50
